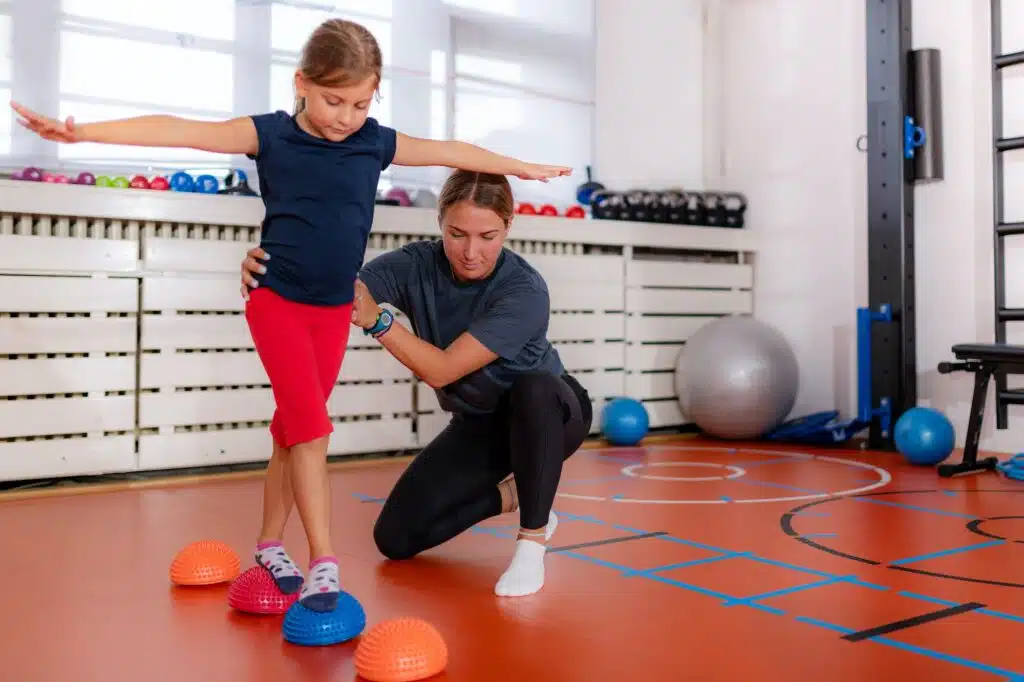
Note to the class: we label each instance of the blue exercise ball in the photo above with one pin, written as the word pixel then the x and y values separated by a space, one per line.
pixel 624 421
pixel 924 435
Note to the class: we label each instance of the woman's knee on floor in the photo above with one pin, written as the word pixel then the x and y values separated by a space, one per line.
pixel 393 537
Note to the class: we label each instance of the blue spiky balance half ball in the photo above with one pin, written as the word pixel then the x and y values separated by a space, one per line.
pixel 314 628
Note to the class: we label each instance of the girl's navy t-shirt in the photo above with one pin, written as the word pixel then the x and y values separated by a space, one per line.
pixel 319 197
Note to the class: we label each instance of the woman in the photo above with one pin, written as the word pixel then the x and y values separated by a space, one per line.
pixel 479 317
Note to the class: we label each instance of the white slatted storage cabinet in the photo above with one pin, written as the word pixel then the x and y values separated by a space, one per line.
pixel 68 304
pixel 667 300
pixel 205 398
pixel 123 344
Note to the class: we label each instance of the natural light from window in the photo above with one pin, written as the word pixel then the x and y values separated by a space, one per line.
pixel 130 71
pixel 290 28
pixel 202 18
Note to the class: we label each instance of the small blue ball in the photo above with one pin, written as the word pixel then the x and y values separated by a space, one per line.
pixel 624 421
pixel 924 436
pixel 314 628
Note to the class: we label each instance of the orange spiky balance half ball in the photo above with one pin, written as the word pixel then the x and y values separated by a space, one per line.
pixel 206 562
pixel 401 650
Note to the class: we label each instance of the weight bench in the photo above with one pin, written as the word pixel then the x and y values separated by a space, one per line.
pixel 984 360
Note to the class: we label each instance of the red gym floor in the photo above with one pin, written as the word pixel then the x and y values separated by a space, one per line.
pixel 683 560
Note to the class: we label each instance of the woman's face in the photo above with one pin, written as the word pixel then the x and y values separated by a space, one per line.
pixel 473 238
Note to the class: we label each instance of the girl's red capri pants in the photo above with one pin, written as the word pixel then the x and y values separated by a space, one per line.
pixel 301 347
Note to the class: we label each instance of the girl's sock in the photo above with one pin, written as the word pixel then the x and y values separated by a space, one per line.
pixel 273 557
pixel 320 593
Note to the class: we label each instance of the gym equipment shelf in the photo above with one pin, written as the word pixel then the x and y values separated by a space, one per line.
pixel 1003 314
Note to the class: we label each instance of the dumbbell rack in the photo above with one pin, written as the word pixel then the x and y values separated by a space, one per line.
pixel 1003 315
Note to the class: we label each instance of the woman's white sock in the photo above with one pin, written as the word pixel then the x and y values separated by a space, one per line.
pixel 525 575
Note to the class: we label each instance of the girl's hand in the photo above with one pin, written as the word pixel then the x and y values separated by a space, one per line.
pixel 364 308
pixel 47 128
pixel 534 171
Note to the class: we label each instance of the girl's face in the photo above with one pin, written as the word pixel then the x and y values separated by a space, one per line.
pixel 473 237
pixel 337 112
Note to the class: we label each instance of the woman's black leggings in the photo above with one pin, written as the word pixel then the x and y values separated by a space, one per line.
pixel 452 484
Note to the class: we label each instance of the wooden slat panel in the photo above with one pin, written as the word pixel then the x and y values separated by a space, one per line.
pixel 586 326
pixel 602 384
pixel 689 301
pixel 37 459
pixel 66 334
pixel 213 448
pixel 161 254
pixel 245 369
pixel 580 356
pixel 26 294
pixel 188 408
pixel 429 425
pixel 666 273
pixel 652 385
pixel 426 398
pixel 214 332
pixel 578 268
pixel 664 413
pixel 593 296
pixel 67 254
pixel 57 416
pixel 648 328
pixel 199 293
pixel 652 357
pixel 47 376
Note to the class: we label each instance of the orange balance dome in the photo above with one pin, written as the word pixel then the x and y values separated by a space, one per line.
pixel 206 562
pixel 401 650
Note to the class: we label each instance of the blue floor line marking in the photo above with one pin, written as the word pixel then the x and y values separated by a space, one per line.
pixel 931 653
pixel 684 564
pixel 947 552
pixel 744 601
pixel 827 579
pixel 947 602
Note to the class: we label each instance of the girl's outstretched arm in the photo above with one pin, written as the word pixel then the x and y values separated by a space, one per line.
pixel 416 151
pixel 234 136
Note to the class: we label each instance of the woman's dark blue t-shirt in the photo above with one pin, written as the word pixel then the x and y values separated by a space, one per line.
pixel 319 197
pixel 508 312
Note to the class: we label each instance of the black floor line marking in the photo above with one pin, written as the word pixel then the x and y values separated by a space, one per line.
pixel 608 541
pixel 913 622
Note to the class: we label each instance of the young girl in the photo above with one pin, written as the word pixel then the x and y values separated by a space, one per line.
pixel 318 173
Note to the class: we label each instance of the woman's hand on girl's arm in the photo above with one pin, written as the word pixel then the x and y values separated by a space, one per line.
pixel 234 136
pixel 252 265
pixel 435 366
pixel 416 151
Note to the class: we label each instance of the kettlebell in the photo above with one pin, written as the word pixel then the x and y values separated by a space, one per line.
pixel 585 192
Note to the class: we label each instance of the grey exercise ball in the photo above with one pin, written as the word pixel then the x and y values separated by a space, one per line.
pixel 736 378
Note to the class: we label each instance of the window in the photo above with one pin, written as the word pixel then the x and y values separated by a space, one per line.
pixel 214 19
pixel 290 26
pixel 528 127
pixel 6 74
pixel 150 78
pixel 526 96
pixel 157 75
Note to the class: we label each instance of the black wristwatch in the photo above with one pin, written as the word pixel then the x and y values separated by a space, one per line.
pixel 382 325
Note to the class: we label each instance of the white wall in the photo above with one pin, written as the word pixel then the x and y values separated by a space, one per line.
pixel 778 115
pixel 649 94
pixel 785 82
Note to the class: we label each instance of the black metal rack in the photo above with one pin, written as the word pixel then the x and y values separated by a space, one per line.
pixel 890 211
pixel 1003 315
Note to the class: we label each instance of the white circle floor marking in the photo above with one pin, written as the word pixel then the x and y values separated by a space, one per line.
pixel 884 476
pixel 734 472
